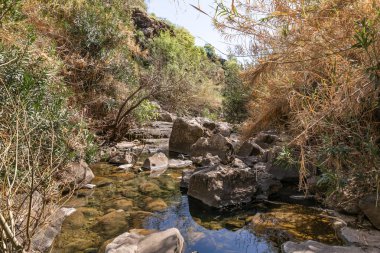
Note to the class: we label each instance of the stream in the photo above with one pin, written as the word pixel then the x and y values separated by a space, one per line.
pixel 125 201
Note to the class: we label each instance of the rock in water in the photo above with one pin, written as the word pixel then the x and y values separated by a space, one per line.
pixel 223 186
pixel 215 145
pixel 126 158
pixel 368 238
pixel 168 241
pixel 186 174
pixel 317 247
pixel 184 134
pixel 77 174
pixel 179 164
pixel 157 162
pixel 369 208
pixel 44 239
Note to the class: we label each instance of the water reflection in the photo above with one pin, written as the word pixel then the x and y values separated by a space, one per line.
pixel 205 240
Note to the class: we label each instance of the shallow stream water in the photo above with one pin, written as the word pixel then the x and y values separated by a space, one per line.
pixel 125 201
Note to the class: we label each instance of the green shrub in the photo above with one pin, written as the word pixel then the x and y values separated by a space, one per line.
pixel 145 112
pixel 182 65
pixel 96 25
pixel 235 93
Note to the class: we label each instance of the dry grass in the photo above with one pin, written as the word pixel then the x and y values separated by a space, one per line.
pixel 310 79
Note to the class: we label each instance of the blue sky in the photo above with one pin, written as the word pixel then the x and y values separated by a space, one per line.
pixel 200 26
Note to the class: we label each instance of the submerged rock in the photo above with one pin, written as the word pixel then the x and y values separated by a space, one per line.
pixel 222 186
pixel 184 134
pixel 168 241
pixel 156 205
pixel 112 223
pixel 317 247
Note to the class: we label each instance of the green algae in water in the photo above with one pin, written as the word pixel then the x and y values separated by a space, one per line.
pixel 128 201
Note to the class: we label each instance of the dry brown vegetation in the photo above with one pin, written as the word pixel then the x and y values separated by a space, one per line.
pixel 317 75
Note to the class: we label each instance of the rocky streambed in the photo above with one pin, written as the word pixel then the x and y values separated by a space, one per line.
pixel 225 199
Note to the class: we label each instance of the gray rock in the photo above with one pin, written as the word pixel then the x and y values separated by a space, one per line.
pixel 221 186
pixel 157 162
pixel 125 145
pixel 284 174
pixel 266 140
pixel 126 167
pixel 223 128
pixel 184 134
pixel 368 206
pixel 215 145
pixel 179 164
pixel 76 174
pixel 124 158
pixel 267 184
pixel 168 241
pixel 237 163
pixel 185 180
pixel 250 148
pixel 44 238
pixel 361 237
pixel 166 116
pixel 206 161
pixel 317 247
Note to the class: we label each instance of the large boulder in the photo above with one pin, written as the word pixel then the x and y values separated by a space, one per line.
pixel 168 241
pixel 317 247
pixel 76 174
pixel 221 186
pixel 215 145
pixel 368 206
pixel 184 134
